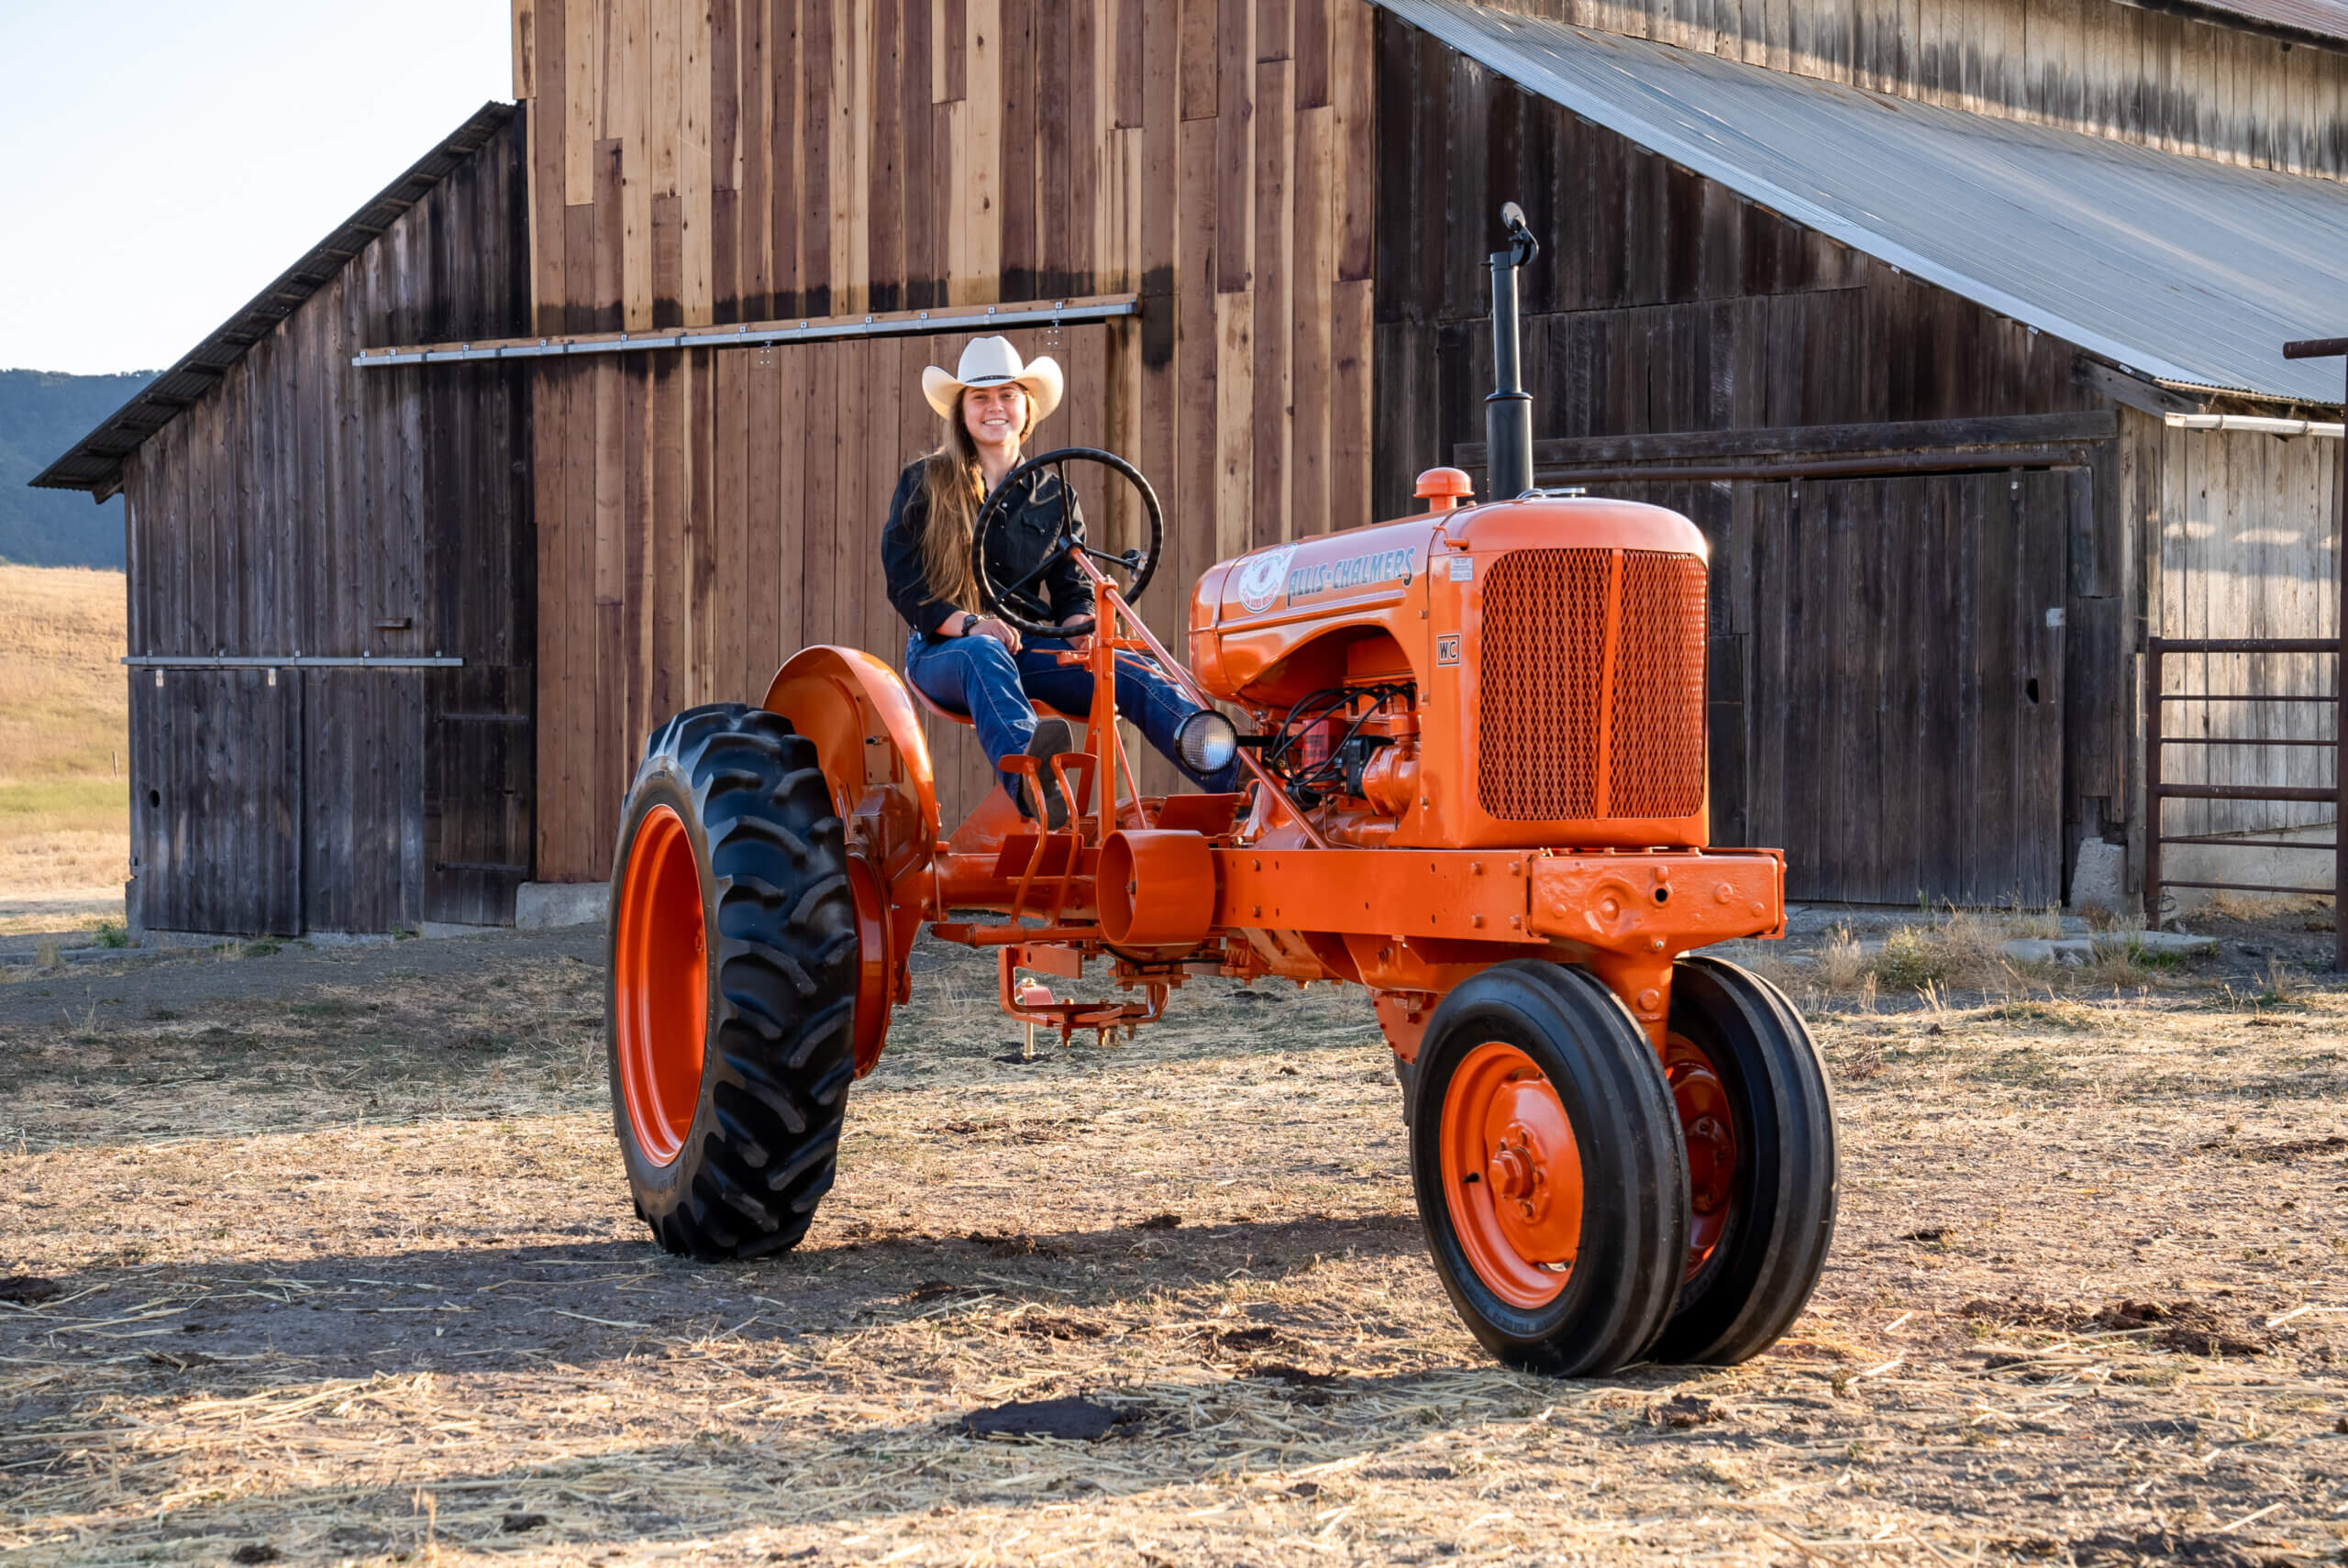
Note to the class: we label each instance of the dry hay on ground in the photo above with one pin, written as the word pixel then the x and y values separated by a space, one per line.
pixel 343 1269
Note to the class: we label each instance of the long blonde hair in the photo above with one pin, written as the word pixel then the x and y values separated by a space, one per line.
pixel 952 486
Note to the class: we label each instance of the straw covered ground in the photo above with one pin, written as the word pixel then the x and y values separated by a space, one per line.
pixel 327 1257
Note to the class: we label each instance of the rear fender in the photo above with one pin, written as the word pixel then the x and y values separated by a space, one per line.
pixel 868 735
pixel 868 742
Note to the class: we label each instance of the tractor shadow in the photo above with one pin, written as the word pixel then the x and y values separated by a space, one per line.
pixel 498 1307
pixel 790 1485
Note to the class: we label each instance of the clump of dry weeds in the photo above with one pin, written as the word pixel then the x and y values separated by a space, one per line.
pixel 1841 964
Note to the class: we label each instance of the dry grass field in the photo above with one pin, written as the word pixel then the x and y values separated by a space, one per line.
pixel 327 1257
pixel 64 808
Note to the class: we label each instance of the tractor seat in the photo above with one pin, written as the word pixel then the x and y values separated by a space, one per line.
pixel 1076 720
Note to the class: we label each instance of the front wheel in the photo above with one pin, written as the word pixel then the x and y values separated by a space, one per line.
pixel 1546 1155
pixel 732 983
pixel 1759 1125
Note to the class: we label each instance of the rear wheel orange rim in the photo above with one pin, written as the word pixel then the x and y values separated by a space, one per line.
pixel 1512 1175
pixel 660 984
pixel 873 972
pixel 1707 1128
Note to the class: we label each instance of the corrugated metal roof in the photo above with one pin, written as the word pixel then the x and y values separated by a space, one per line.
pixel 95 464
pixel 2321 22
pixel 2175 269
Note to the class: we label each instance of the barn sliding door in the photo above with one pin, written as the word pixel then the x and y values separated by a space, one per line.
pixel 214 791
pixel 1902 673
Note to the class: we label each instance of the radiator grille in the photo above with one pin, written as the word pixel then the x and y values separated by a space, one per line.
pixel 1540 685
pixel 1657 767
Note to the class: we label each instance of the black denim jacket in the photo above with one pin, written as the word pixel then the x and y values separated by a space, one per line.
pixel 1018 542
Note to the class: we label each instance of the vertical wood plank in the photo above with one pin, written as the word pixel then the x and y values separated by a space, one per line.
pixel 1313 268
pixel 786 131
pixel 727 266
pixel 788 436
pixel 1350 389
pixel 1235 491
pixel 852 216
pixel 949 57
pixel 1021 170
pixel 1200 58
pixel 978 139
pixel 733 574
pixel 1198 353
pixel 1312 49
pixel 1353 141
pixel 824 621
pixel 886 191
pixel 695 177
pixel 548 114
pixel 584 83
pixel 818 159
pixel 1235 146
pixel 763 634
pixel 1272 329
pixel 635 164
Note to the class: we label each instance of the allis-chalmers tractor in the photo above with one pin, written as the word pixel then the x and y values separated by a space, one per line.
pixel 1473 782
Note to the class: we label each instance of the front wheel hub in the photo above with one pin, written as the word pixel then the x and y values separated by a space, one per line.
pixel 1512 1174
pixel 1708 1130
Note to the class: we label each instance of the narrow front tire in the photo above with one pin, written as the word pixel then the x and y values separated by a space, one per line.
pixel 1545 1156
pixel 1758 1121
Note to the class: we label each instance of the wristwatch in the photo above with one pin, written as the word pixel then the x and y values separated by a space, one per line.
pixel 970 619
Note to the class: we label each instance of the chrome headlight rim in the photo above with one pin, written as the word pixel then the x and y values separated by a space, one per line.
pixel 1206 741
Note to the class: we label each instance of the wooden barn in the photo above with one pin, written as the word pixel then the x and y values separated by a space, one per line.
pixel 595 415
pixel 332 618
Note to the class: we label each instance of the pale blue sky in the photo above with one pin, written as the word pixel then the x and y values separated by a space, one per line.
pixel 162 161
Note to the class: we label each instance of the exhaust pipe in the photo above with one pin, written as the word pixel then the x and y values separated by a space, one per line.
pixel 1508 412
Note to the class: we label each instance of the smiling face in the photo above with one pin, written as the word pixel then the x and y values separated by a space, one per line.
pixel 996 416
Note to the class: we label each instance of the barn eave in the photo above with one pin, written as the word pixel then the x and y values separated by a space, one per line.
pixel 93 464
pixel 2180 271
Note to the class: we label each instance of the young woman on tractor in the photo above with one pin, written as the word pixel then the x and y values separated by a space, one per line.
pixel 974 664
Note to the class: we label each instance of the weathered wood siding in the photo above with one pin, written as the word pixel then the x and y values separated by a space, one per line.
pixel 1664 302
pixel 295 509
pixel 2138 75
pixel 772 159
pixel 1661 300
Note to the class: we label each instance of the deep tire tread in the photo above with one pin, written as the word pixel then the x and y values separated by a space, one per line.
pixel 782 960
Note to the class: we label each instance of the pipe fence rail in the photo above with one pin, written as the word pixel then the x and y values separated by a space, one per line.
pixel 2158 787
pixel 2158 651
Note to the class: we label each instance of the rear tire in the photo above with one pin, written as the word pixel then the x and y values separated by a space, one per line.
pixel 1772 1207
pixel 730 1057
pixel 1545 1156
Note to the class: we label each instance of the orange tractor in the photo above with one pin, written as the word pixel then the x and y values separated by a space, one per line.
pixel 1474 783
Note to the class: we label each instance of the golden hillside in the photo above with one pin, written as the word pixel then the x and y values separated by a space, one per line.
pixel 64 703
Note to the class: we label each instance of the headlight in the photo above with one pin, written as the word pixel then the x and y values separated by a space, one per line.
pixel 1206 743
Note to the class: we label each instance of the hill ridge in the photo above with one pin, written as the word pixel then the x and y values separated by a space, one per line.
pixel 42 414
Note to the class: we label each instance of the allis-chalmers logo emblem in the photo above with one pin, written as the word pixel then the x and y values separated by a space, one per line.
pixel 1264 578
pixel 1261 577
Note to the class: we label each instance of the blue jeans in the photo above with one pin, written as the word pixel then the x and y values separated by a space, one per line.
pixel 979 677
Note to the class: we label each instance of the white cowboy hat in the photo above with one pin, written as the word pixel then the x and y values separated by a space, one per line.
pixel 990 362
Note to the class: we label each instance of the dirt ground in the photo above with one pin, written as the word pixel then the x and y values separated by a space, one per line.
pixel 327 1257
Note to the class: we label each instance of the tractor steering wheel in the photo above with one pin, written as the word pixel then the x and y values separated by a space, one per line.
pixel 1139 566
